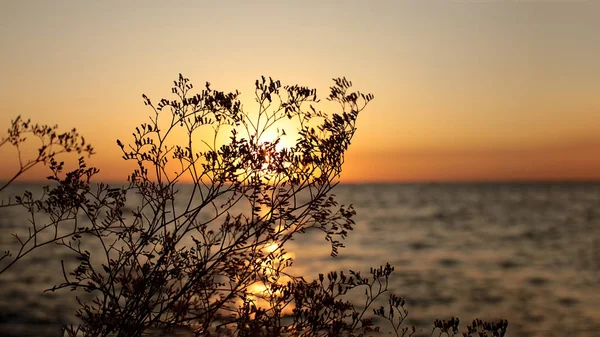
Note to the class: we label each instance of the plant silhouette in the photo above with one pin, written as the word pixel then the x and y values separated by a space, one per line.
pixel 197 236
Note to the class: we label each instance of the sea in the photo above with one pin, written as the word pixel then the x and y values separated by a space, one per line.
pixel 525 252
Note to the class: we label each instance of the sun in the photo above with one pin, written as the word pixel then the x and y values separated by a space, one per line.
pixel 283 138
pixel 271 144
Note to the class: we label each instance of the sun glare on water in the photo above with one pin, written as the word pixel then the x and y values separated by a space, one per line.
pixel 261 291
pixel 270 248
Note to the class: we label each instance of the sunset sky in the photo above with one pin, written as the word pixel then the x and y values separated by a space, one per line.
pixel 464 90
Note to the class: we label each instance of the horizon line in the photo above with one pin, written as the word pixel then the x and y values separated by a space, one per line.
pixel 390 182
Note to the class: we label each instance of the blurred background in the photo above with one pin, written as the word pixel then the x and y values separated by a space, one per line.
pixel 473 171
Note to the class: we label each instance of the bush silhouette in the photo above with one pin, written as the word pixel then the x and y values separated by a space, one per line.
pixel 196 238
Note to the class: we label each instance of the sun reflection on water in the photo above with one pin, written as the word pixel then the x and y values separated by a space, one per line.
pixel 263 293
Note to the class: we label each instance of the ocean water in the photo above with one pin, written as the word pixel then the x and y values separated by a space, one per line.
pixel 529 253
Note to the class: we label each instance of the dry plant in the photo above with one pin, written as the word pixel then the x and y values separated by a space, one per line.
pixel 196 238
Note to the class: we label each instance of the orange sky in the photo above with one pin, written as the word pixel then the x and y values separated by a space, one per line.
pixel 464 90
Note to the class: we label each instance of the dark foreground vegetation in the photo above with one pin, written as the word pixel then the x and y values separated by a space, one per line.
pixel 168 263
